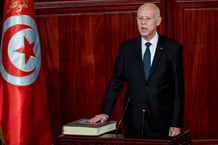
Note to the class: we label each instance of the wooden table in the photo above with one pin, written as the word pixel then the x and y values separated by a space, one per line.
pixel 113 139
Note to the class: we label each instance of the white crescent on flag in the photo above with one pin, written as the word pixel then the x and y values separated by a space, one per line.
pixel 23 50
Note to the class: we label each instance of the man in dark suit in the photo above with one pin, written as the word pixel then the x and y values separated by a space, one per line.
pixel 151 65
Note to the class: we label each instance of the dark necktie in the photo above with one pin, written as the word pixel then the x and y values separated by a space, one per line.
pixel 147 60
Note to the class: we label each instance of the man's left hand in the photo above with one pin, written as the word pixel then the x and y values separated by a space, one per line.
pixel 173 131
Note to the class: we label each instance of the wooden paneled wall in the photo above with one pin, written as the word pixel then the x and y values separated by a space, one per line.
pixel 80 39
pixel 195 25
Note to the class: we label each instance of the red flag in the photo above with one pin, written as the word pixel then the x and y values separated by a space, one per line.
pixel 24 114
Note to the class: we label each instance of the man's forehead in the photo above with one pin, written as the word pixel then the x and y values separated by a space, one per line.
pixel 146 12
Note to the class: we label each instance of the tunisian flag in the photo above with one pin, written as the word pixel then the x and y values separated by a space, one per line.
pixel 24 113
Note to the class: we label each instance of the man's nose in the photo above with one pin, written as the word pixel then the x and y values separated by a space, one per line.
pixel 143 21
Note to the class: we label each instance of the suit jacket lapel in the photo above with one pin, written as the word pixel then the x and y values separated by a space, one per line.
pixel 139 56
pixel 157 56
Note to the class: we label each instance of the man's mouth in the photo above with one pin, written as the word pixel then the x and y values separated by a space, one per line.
pixel 144 28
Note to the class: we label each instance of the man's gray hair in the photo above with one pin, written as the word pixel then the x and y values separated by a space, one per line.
pixel 157 9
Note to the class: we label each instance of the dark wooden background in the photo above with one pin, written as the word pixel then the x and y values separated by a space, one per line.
pixel 80 39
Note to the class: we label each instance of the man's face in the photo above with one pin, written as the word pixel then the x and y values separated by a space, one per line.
pixel 147 21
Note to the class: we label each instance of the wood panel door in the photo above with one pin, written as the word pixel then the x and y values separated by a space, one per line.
pixel 195 25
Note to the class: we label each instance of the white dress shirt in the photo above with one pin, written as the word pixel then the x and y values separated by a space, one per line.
pixel 152 48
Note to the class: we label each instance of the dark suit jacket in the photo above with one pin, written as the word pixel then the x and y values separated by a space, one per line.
pixel 162 95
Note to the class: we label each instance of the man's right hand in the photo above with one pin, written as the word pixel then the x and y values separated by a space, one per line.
pixel 100 117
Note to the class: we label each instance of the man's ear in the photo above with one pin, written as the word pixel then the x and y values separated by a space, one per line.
pixel 159 21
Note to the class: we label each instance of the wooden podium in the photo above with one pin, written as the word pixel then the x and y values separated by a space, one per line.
pixel 113 139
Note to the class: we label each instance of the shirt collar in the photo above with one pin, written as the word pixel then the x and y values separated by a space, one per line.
pixel 152 41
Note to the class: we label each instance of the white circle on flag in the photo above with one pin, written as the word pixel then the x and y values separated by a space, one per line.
pixel 17 59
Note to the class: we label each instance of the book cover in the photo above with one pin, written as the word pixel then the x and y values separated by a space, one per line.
pixel 83 127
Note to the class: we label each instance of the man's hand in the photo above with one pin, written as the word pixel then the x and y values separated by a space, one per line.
pixel 173 131
pixel 99 117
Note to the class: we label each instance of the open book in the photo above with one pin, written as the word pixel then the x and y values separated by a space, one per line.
pixel 83 127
